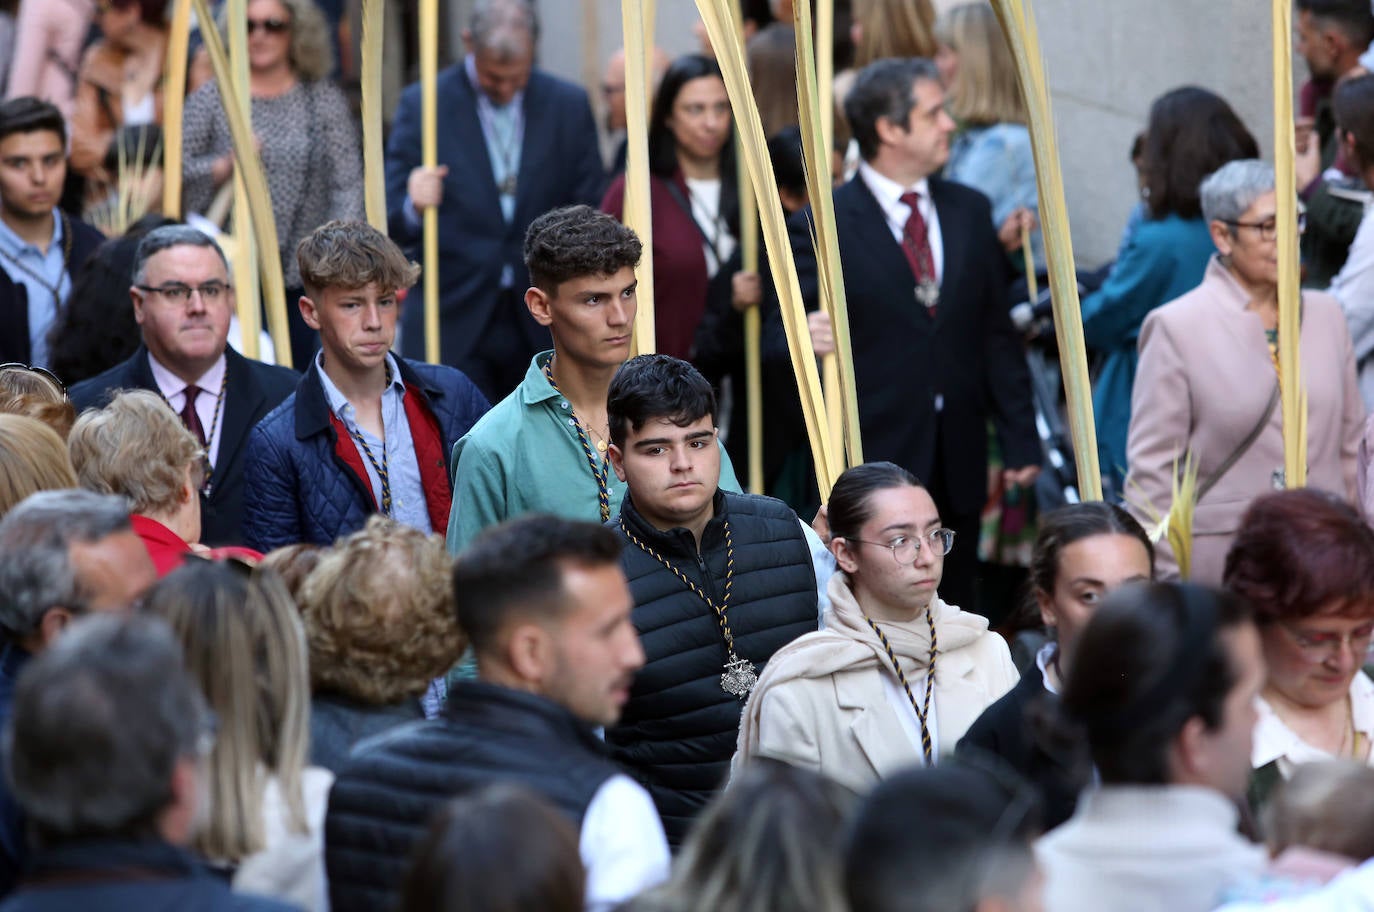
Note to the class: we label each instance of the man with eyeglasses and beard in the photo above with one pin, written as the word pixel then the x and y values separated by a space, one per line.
pixel 183 301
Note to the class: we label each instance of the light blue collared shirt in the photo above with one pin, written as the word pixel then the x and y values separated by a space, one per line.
pixel 408 504
pixel 52 268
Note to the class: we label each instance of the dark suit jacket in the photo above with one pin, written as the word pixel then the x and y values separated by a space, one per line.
pixel 559 165
pixel 969 353
pixel 253 389
pixel 14 296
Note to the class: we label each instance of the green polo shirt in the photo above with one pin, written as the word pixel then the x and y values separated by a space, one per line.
pixel 525 456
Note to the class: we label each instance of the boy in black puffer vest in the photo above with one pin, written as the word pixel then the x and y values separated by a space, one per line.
pixel 720 582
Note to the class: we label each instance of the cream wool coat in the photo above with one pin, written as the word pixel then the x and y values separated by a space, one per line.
pixel 1204 379
pixel 821 701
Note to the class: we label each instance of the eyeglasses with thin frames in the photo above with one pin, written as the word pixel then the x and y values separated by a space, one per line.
pixel 1320 646
pixel 904 548
pixel 180 293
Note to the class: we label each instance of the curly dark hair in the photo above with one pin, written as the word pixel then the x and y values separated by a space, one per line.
pixel 577 241
pixel 656 386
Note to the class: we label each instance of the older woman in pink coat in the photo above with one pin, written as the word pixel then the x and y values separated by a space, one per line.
pixel 1207 382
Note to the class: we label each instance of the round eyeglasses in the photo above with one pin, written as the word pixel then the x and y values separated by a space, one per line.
pixel 904 548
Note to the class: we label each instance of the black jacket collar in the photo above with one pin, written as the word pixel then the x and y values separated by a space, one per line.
pixel 491 706
pixel 679 541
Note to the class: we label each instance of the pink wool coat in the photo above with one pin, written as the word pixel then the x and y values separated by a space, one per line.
pixel 1204 379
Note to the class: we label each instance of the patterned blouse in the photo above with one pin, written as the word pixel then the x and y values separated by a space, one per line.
pixel 310 151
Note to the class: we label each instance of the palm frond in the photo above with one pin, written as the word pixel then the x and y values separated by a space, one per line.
pixel 1019 25
pixel 635 17
pixel 1291 396
pixel 248 169
pixel 374 156
pixel 815 116
pixel 429 157
pixel 718 18
pixel 173 105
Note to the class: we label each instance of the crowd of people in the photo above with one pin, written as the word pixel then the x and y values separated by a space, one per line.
pixel 505 632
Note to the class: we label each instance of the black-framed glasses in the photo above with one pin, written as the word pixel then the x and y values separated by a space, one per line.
pixel 1269 228
pixel 40 371
pixel 180 293
pixel 904 548
pixel 270 26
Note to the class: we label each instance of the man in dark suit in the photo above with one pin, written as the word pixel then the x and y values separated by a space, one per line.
pixel 513 143
pixel 935 354
pixel 183 300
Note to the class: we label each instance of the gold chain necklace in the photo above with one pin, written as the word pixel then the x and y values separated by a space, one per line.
pixel 740 674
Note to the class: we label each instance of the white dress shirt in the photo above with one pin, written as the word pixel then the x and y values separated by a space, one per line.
pixel 888 193
pixel 173 389
pixel 622 844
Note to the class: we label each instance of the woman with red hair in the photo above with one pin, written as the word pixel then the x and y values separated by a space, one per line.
pixel 1305 560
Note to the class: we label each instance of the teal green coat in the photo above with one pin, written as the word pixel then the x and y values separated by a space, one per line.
pixel 1164 259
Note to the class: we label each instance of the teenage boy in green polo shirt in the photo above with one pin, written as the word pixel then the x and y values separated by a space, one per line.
pixel 543 447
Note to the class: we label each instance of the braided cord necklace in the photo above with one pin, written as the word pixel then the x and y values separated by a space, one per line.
pixel 740 674
pixel 383 468
pixel 922 712
pixel 54 290
pixel 601 471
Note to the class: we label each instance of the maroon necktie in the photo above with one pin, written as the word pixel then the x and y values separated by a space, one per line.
pixel 189 416
pixel 916 246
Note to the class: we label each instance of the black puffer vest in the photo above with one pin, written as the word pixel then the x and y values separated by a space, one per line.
pixel 677 733
pixel 382 802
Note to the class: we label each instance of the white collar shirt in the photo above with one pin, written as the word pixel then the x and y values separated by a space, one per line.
pixel 209 403
pixel 888 193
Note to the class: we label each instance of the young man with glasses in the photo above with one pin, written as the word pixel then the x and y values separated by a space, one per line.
pixel 720 582
pixel 182 301
pixel 365 431
pixel 41 247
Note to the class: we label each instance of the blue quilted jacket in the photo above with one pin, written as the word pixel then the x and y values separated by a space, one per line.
pixel 297 489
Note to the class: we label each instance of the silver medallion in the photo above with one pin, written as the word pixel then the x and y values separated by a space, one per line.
pixel 927 292
pixel 739 678
pixel 1279 479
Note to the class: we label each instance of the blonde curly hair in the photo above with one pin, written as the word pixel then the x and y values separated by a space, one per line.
pixel 136 446
pixel 379 614
pixel 311 53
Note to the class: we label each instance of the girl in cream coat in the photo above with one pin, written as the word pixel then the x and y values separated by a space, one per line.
pixel 833 701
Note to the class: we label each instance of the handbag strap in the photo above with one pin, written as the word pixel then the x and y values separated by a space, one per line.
pixel 1245 445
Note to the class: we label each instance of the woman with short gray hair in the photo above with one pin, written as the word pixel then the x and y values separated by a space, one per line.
pixel 1207 381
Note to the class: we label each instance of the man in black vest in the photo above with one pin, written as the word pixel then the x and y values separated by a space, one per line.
pixel 544 604
pixel 720 582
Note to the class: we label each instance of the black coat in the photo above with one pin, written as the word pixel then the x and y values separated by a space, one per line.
pixel 560 165
pixel 678 730
pixel 14 296
pixel 252 390
pixel 969 353
pixel 383 800
pixel 1009 729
